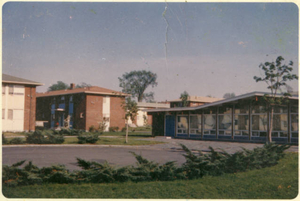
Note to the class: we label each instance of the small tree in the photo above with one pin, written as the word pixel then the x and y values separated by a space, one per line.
pixel 184 98
pixel 82 85
pixel 131 110
pixel 276 75
pixel 136 82
pixel 229 95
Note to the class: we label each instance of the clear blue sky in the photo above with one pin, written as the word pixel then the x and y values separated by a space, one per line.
pixel 203 48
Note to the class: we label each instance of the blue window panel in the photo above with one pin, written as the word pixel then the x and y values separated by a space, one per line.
pixel 62 105
pixel 53 109
pixel 71 124
pixel 224 137
pixel 71 108
pixel 52 123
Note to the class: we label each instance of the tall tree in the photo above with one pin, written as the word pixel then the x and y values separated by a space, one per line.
pixel 276 74
pixel 58 86
pixel 131 110
pixel 82 85
pixel 184 98
pixel 229 95
pixel 136 82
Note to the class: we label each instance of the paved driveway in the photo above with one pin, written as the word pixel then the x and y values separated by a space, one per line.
pixel 47 155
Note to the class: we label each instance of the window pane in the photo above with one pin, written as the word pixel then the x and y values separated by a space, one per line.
pixel 10 114
pixel 11 89
pixel 280 109
pixel 241 109
pixel 294 109
pixel 225 110
pixel 195 122
pixel 241 122
pixel 259 122
pixel 209 121
pixel 295 134
pixel 258 109
pixel 280 122
pixel 225 121
pixel 182 122
pixel 295 121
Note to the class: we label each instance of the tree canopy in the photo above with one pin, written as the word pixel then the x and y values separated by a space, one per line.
pixel 62 86
pixel 136 82
pixel 276 74
pixel 184 98
pixel 58 86
pixel 229 95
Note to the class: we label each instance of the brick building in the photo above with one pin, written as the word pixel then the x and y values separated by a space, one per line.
pixel 18 103
pixel 193 101
pixel 81 108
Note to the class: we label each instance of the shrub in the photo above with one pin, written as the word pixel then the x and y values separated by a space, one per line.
pixel 88 138
pixel 16 140
pixel 4 140
pixel 35 138
pixel 113 129
pixel 65 131
pixel 38 138
pixel 123 129
pixel 76 132
pixel 92 128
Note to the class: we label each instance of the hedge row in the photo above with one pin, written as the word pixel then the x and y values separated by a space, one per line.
pixel 196 166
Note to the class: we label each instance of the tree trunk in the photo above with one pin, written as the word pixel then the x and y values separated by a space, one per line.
pixel 271 125
pixel 126 138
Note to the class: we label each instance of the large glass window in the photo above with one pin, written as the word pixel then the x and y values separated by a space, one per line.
pixel 241 120
pixel 225 120
pixel 210 122
pixel 259 125
pixel 10 114
pixel 195 124
pixel 182 124
pixel 11 89
pixel 294 121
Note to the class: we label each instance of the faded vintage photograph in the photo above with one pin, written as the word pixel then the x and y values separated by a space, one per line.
pixel 150 100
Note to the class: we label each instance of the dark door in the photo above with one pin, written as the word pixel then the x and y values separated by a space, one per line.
pixel 170 125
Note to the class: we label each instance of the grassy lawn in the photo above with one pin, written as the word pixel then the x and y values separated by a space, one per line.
pixel 277 182
pixel 130 134
pixel 114 141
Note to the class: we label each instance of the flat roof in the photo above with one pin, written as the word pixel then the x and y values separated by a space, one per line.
pixel 243 96
pixel 17 80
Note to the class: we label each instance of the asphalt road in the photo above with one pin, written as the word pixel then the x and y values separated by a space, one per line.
pixel 47 155
pixel 44 156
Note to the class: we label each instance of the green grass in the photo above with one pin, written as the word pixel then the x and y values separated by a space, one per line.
pixel 277 182
pixel 130 134
pixel 114 141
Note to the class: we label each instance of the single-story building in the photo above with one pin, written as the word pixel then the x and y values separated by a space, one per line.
pixel 241 118
pixel 18 103
pixel 81 108
pixel 142 118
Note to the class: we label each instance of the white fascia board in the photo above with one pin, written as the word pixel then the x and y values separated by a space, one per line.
pixel 23 83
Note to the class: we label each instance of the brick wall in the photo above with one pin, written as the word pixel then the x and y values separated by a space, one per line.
pixel 79 108
pixel 94 114
pixel 29 108
pixel 117 113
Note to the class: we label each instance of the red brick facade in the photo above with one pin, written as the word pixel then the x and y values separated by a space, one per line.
pixel 29 108
pixel 117 113
pixel 94 107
